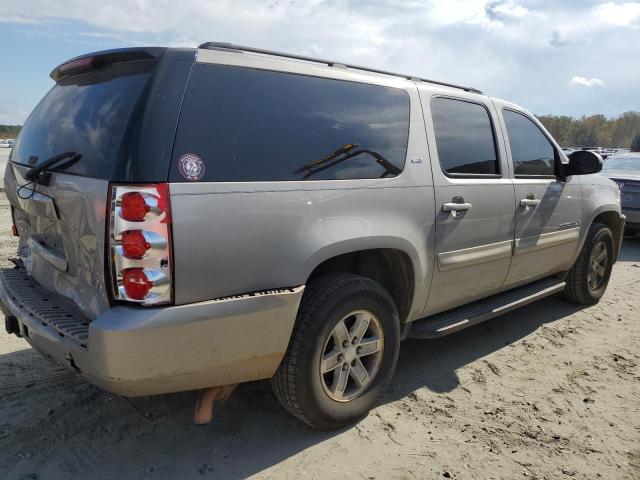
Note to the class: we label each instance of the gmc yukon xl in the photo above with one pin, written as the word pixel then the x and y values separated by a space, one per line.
pixel 190 219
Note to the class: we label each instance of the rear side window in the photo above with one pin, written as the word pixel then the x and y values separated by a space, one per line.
pixel 464 137
pixel 531 152
pixel 244 125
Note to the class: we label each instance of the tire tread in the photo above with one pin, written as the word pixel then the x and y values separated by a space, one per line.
pixel 576 278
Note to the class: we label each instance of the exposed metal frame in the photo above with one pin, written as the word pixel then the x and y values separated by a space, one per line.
pixel 240 48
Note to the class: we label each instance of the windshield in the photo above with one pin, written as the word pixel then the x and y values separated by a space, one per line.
pixel 628 163
pixel 89 114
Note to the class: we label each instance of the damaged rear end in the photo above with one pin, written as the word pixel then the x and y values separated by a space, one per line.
pixel 93 288
pixel 103 133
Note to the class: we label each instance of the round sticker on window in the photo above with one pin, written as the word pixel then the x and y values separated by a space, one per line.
pixel 191 167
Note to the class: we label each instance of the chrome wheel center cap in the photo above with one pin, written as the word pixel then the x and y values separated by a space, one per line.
pixel 350 353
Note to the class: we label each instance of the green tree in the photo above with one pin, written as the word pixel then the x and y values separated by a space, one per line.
pixel 593 130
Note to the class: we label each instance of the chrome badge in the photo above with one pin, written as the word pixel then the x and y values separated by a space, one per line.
pixel 620 185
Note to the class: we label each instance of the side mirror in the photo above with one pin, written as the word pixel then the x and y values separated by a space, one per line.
pixel 583 162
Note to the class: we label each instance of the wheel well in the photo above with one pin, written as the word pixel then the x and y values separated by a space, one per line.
pixel 613 221
pixel 389 267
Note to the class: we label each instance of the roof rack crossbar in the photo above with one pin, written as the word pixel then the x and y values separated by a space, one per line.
pixel 331 63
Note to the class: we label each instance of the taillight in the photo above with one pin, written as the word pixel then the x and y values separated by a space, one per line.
pixel 134 206
pixel 140 243
pixel 134 244
pixel 136 284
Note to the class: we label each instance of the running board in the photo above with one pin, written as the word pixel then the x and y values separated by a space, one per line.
pixel 477 312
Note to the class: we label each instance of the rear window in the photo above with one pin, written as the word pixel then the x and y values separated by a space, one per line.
pixel 243 125
pixel 464 137
pixel 88 114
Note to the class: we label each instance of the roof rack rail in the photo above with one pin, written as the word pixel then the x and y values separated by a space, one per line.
pixel 240 48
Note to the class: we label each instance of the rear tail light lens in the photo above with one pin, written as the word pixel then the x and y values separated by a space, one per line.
pixel 140 244
pixel 134 244
pixel 134 207
pixel 136 284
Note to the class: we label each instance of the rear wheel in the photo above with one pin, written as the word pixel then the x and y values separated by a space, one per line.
pixel 342 354
pixel 588 278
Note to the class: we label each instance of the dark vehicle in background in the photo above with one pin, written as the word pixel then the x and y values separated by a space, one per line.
pixel 624 169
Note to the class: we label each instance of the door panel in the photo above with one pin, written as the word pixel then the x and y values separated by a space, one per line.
pixel 473 249
pixel 475 219
pixel 547 234
pixel 548 209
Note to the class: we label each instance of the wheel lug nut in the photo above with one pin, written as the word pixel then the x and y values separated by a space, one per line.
pixel 345 344
pixel 354 341
pixel 344 366
pixel 340 357
pixel 359 350
pixel 353 363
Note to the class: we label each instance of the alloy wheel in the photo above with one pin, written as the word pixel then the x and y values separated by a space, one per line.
pixel 351 356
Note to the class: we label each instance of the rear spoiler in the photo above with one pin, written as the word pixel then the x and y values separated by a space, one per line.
pixel 98 60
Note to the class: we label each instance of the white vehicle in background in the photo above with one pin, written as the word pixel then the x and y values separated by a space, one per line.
pixel 6 143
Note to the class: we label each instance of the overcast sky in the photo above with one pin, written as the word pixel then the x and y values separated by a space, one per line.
pixel 570 57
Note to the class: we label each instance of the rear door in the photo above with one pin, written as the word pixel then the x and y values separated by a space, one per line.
pixel 473 196
pixel 548 208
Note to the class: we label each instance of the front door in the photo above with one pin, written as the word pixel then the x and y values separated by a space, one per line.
pixel 474 200
pixel 548 208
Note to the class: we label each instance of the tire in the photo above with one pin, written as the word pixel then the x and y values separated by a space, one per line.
pixel 579 287
pixel 300 386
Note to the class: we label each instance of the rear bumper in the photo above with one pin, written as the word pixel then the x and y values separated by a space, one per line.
pixel 145 351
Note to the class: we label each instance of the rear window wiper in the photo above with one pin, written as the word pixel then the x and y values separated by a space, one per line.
pixel 345 153
pixel 35 172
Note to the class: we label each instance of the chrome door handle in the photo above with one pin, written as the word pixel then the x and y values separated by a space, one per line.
pixel 456 208
pixel 529 202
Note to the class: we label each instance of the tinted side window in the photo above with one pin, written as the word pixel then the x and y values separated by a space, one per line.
pixel 531 151
pixel 464 137
pixel 256 125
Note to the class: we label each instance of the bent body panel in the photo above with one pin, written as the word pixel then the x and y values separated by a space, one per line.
pixel 134 351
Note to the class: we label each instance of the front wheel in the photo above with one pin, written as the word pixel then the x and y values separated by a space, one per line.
pixel 343 351
pixel 588 278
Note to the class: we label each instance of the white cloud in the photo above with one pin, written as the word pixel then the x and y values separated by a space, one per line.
pixel 586 82
pixel 522 50
pixel 621 14
pixel 507 8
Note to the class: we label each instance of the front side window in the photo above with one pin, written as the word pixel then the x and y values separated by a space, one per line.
pixel 464 137
pixel 531 151
pixel 247 125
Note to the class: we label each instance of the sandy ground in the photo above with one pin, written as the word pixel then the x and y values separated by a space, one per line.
pixel 551 391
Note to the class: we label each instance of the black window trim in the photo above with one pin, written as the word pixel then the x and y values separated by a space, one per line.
pixel 556 155
pixel 493 133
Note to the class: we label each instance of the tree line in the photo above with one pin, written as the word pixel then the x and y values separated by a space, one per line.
pixel 594 130
pixel 9 131
pixel 591 131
